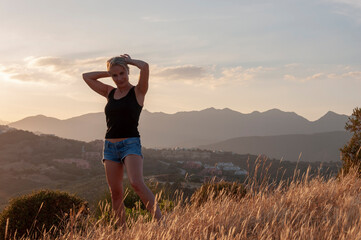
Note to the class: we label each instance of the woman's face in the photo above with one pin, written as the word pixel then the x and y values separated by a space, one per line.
pixel 119 75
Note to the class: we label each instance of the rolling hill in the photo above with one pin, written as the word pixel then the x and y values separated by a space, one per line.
pixel 323 147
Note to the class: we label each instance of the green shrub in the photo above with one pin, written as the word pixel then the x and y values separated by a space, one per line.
pixel 213 190
pixel 39 211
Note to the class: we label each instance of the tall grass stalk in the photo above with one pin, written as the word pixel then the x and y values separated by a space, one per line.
pixel 303 208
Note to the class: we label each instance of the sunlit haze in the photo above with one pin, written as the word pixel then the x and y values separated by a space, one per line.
pixel 299 56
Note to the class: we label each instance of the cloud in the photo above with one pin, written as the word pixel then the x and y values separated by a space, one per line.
pixel 48 61
pixel 303 73
pixel 61 70
pixel 56 70
pixel 25 73
pixel 349 8
pixel 339 76
pixel 292 78
pixel 50 69
pixel 210 76
pixel 68 66
pixel 353 75
pixel 179 72
pixel 315 76
pixel 242 75
pixel 289 77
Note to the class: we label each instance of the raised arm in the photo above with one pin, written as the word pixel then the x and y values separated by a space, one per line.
pixel 142 86
pixel 91 78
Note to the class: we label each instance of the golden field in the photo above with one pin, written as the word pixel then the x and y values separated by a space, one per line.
pixel 303 208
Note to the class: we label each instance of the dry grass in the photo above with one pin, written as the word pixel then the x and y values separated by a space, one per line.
pixel 304 209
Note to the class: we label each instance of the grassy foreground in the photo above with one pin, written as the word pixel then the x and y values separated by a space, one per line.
pixel 302 209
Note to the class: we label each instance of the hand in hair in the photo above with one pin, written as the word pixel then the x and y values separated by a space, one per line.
pixel 127 58
pixel 142 86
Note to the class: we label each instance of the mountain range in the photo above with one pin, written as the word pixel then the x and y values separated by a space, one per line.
pixel 275 133
pixel 188 129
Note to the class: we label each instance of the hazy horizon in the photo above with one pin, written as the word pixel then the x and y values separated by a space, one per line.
pixel 297 56
pixel 40 114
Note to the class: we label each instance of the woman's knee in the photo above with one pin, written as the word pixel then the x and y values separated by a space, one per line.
pixel 138 185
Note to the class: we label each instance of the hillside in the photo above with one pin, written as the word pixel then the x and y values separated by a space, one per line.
pixel 30 162
pixel 303 209
pixel 189 129
pixel 321 147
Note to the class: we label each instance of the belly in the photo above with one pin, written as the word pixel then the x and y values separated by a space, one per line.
pixel 114 140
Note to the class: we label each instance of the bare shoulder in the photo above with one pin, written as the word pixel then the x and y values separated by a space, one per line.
pixel 110 88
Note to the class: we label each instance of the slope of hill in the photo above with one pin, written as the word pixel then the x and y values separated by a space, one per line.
pixel 321 147
pixel 305 209
pixel 189 129
pixel 29 161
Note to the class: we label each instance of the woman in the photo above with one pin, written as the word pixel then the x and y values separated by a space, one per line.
pixel 122 146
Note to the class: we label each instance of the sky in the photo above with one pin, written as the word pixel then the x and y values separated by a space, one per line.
pixel 298 56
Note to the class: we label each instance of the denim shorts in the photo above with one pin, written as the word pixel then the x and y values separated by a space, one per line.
pixel 119 150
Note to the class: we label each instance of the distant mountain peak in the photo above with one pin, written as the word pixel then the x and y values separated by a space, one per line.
pixel 40 115
pixel 37 118
pixel 210 109
pixel 223 111
pixel 278 111
pixel 255 112
pixel 274 110
pixel 332 115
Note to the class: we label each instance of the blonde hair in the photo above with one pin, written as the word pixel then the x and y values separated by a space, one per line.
pixel 117 61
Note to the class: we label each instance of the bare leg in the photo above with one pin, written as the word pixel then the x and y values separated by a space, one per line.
pixel 114 173
pixel 134 165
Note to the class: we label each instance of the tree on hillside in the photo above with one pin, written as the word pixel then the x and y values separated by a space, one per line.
pixel 351 152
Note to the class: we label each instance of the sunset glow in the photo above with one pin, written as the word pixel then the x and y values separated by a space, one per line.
pixel 300 56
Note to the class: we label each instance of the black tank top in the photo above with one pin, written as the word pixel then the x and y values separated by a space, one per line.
pixel 122 115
